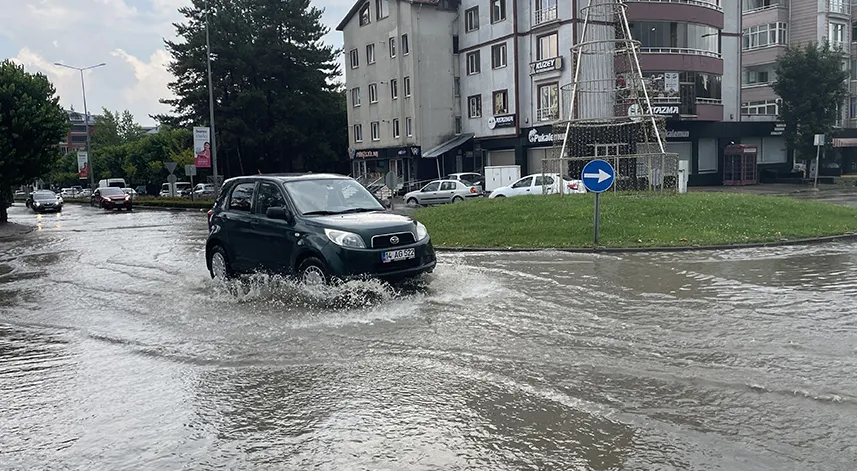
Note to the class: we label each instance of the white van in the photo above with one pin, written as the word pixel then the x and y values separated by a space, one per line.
pixel 114 182
pixel 180 186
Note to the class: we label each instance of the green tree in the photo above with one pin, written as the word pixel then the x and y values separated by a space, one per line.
pixel 113 128
pixel 31 123
pixel 278 108
pixel 812 84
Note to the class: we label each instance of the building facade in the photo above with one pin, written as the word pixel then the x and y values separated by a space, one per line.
pixel 487 80
pixel 399 74
pixel 75 140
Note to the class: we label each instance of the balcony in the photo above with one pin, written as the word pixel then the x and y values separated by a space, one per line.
pixel 839 7
pixel 544 15
pixel 547 114
pixel 679 50
pixel 713 4
pixel 762 5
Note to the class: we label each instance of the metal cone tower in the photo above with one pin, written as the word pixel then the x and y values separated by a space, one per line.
pixel 607 109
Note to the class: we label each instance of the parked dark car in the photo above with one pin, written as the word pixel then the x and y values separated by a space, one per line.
pixel 318 227
pixel 41 201
pixel 109 197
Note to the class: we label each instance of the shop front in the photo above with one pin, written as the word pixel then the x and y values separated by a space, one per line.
pixel 369 166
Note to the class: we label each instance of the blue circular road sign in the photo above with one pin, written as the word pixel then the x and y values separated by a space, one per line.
pixel 598 176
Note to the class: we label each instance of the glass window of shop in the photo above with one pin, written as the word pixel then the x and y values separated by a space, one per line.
pixel 675 35
pixel 693 88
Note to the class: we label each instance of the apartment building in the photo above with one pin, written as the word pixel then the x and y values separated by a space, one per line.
pixel 399 75
pixel 75 140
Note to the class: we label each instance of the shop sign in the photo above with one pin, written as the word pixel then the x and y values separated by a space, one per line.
pixel 779 129
pixel 534 136
pixel 546 65
pixel 366 154
pixel 635 111
pixel 675 134
pixel 501 121
pixel 415 151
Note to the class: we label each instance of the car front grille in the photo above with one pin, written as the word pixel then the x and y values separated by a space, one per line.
pixel 383 241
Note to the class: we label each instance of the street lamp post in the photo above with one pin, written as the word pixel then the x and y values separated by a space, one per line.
pixel 86 118
pixel 211 105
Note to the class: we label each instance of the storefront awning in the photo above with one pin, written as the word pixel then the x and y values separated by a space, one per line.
pixel 447 146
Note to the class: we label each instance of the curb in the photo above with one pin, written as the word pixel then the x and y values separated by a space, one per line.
pixel 692 248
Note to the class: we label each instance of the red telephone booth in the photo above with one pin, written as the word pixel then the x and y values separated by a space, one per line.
pixel 739 164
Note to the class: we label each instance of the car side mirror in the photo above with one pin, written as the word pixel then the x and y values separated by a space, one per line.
pixel 279 212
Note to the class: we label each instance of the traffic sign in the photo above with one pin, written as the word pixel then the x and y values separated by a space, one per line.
pixel 598 176
pixel 190 170
pixel 172 178
pixel 171 166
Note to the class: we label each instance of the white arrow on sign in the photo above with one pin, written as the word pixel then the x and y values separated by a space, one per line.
pixel 601 175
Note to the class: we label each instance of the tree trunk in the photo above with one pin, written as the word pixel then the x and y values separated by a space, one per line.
pixel 4 215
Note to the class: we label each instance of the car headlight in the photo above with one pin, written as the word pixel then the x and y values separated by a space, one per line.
pixel 345 239
pixel 422 232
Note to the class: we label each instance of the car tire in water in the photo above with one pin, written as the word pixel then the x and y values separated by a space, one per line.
pixel 313 272
pixel 457 199
pixel 218 263
pixel 500 196
pixel 413 202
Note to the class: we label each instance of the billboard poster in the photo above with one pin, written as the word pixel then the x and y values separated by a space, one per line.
pixel 202 147
pixel 82 168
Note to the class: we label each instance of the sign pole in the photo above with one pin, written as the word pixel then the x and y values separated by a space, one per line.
pixel 819 141
pixel 597 216
pixel 598 176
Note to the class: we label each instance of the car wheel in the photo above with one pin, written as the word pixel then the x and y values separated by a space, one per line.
pixel 457 199
pixel 412 202
pixel 219 264
pixel 312 272
pixel 500 196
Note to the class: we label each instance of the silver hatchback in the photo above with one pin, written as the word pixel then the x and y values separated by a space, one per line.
pixel 440 192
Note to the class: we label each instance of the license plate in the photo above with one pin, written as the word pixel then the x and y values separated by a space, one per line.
pixel 398 255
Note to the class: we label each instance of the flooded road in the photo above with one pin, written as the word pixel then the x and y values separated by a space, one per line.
pixel 118 352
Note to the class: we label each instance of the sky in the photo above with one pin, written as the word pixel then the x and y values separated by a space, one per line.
pixel 127 35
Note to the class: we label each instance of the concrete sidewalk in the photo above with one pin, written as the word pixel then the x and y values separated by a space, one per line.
pixel 844 186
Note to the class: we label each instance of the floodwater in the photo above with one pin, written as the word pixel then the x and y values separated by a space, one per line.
pixel 118 352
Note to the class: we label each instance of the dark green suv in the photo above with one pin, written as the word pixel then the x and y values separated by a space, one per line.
pixel 316 226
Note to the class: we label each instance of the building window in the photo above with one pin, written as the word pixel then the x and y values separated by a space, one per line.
pixel 78 139
pixel 473 63
pixel 748 6
pixel 370 53
pixel 548 102
pixel 456 86
pixel 376 130
pixel 498 56
pixel 474 106
pixel 358 133
pixel 409 127
pixel 455 44
pixel 392 47
pixel 364 15
pixel 501 102
pixel 406 48
pixel 355 59
pixel 836 34
pixel 78 128
pixel 755 77
pixel 766 108
pixel 382 9
pixel 498 10
pixel 548 47
pixel 545 11
pixel 457 125
pixel 853 107
pixel 771 34
pixel 839 6
pixel 471 19
pixel 655 35
pixel 373 93
pixel 355 96
pixel 407 85
pixel 394 88
pixel 395 128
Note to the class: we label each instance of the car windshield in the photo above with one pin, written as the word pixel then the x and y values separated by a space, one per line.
pixel 111 191
pixel 331 196
pixel 44 195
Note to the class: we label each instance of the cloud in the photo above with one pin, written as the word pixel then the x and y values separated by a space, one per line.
pixel 126 34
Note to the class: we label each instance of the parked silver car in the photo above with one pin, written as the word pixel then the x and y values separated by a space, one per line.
pixel 440 192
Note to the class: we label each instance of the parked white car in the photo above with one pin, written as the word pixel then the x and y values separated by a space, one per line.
pixel 442 191
pixel 539 184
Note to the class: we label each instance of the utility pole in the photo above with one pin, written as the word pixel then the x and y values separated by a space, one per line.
pixel 86 118
pixel 211 105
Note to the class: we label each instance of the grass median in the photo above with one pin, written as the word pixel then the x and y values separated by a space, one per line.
pixel 633 220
